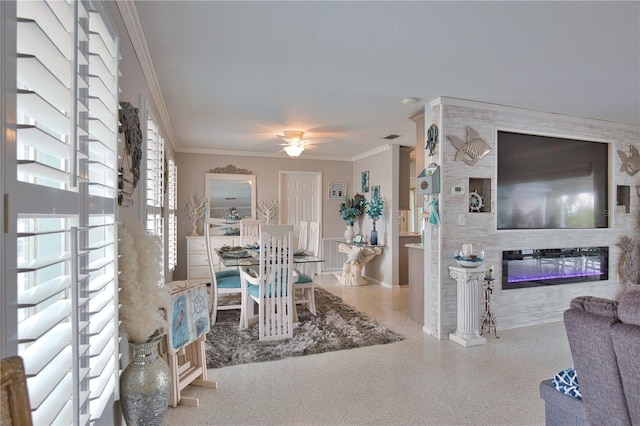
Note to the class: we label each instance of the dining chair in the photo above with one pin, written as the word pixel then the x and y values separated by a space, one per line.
pixel 249 232
pixel 224 284
pixel 271 285
pixel 14 395
pixel 303 235
pixel 305 285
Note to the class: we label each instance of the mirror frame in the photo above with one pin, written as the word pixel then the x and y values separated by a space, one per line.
pixel 211 177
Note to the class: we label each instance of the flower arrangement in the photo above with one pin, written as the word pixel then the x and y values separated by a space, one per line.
pixel 352 208
pixel 142 291
pixel 196 209
pixel 374 207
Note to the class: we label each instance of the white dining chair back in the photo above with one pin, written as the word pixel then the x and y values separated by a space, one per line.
pixel 303 235
pixel 305 285
pixel 249 232
pixel 313 246
pixel 271 286
pixel 224 284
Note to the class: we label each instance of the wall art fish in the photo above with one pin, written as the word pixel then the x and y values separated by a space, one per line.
pixel 472 150
pixel 631 162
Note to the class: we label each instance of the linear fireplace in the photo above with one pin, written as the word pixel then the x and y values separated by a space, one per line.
pixel 541 267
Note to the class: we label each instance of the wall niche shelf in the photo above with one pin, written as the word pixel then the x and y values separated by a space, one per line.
pixel 623 198
pixel 479 195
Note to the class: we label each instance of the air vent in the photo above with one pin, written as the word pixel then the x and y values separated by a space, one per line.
pixel 391 137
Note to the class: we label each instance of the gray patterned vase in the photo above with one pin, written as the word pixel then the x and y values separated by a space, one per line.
pixel 144 386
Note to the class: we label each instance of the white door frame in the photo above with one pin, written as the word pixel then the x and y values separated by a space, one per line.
pixel 319 192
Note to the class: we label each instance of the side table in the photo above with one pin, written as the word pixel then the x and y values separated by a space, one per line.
pixel 467 329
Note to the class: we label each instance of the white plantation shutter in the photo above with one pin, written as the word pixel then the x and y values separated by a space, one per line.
pixel 172 203
pixel 154 179
pixel 64 199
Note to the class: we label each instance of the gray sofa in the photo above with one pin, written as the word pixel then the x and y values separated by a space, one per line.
pixel 604 337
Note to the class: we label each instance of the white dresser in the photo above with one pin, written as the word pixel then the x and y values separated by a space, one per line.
pixel 197 263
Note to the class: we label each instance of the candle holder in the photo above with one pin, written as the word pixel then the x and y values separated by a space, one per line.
pixel 488 321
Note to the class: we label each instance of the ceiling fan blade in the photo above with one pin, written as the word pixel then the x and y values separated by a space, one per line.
pixel 315 141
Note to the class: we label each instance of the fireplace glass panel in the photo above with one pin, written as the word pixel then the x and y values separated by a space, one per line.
pixel 541 267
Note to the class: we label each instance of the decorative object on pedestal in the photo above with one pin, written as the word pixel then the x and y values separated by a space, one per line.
pixel 350 210
pixel 349 233
pixel 145 383
pixel 469 255
pixel 195 211
pixel 628 269
pixel 374 235
pixel 268 211
pixel 374 210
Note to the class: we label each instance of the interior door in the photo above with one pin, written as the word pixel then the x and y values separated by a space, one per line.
pixel 300 198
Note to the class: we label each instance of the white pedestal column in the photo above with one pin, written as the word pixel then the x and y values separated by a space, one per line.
pixel 468 280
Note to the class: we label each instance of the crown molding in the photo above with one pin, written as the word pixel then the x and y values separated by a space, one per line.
pixel 132 23
pixel 305 155
pixel 374 151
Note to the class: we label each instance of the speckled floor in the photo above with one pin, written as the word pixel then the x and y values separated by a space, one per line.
pixel 418 381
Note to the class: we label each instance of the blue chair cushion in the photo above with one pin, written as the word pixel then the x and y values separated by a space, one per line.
pixel 304 279
pixel 229 282
pixel 227 273
pixel 254 290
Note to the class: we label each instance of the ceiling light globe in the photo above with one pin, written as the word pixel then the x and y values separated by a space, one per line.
pixel 293 150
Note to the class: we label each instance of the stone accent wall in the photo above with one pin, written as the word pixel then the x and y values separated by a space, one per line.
pixel 529 306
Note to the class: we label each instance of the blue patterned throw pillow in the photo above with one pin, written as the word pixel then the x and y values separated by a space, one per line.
pixel 567 383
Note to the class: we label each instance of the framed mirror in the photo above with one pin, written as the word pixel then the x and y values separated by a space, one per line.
pixel 230 197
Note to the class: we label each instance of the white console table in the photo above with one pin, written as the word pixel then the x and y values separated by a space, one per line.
pixel 469 283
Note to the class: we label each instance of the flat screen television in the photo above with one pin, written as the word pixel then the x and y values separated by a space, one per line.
pixel 551 183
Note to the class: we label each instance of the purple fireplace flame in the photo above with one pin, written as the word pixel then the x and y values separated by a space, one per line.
pixel 542 267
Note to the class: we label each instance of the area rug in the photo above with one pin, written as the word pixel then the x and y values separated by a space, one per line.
pixel 336 327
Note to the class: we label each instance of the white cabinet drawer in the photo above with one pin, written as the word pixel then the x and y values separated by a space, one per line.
pixel 197 272
pixel 200 259
pixel 196 244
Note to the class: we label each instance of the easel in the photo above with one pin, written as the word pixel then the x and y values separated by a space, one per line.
pixel 188 366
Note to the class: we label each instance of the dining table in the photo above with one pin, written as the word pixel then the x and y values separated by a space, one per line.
pixel 250 257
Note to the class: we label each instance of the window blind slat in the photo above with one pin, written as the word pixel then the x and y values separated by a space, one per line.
pixel 43 291
pixel 35 106
pixel 98 342
pixel 41 352
pixel 49 378
pixel 37 325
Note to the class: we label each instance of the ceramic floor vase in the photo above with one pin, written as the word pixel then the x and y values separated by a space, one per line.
pixel 144 386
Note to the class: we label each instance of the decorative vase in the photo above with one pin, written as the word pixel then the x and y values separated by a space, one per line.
pixel 374 235
pixel 349 234
pixel 144 386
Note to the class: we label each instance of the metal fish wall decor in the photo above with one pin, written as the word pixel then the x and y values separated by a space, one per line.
pixel 472 150
pixel 631 162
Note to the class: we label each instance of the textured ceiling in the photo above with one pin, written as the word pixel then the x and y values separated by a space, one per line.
pixel 235 74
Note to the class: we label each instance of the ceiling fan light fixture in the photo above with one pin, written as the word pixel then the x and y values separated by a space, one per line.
pixel 294 135
pixel 293 150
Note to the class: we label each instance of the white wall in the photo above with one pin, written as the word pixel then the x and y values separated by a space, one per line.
pixel 529 306
pixel 382 165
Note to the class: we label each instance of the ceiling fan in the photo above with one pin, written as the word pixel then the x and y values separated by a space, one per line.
pixel 294 143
